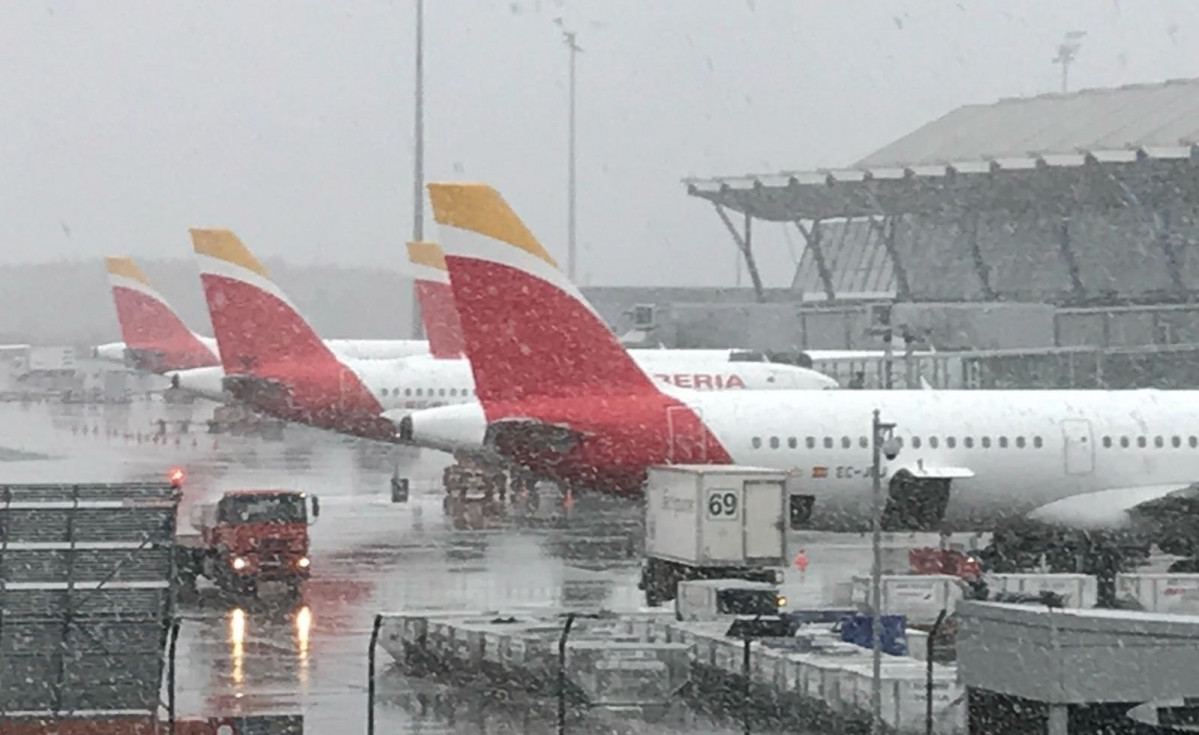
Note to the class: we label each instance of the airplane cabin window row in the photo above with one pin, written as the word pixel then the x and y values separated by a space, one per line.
pixel 1142 442
pixel 969 442
pixel 421 392
pixel 933 442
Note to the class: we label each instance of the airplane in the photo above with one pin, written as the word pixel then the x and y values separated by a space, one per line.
pixel 273 361
pixel 157 340
pixel 564 399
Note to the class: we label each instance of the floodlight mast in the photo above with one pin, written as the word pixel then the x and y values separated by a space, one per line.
pixel 1067 50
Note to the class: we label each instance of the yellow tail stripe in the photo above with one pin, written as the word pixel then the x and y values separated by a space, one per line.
pixel 480 208
pixel 424 252
pixel 123 265
pixel 220 243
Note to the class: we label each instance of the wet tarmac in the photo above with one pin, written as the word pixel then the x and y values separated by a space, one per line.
pixel 369 556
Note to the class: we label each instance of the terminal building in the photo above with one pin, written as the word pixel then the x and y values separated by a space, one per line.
pixel 1032 242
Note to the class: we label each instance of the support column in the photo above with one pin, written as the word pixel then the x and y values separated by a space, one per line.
pixel 1166 242
pixel 744 242
pixel 970 230
pixel 1068 256
pixel 812 238
pixel 1059 720
pixel 886 232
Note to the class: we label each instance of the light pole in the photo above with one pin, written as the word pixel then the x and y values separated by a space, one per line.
pixel 574 49
pixel 1066 51
pixel 882 441
pixel 418 155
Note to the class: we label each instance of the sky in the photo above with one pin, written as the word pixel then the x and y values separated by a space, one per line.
pixel 125 122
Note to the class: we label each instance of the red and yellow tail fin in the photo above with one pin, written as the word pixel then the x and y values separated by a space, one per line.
pixel 527 329
pixel 440 315
pixel 149 324
pixel 254 321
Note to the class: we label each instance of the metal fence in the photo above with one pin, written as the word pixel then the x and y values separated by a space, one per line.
pixel 86 598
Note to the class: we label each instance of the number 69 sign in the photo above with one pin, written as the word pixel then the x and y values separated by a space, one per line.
pixel 722 505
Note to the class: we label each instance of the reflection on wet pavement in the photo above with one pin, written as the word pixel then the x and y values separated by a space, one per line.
pixel 369 555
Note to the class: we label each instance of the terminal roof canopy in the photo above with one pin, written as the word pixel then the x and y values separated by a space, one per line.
pixel 1115 127
pixel 1043 198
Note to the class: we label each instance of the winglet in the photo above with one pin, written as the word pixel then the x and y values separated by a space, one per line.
pixel 436 298
pixel 528 330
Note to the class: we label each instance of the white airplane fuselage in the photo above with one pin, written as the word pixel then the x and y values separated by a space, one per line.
pixel 1022 450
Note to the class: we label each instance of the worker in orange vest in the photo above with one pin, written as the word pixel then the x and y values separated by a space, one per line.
pixel 801 560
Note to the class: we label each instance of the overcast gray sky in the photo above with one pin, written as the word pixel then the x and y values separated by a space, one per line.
pixel 122 123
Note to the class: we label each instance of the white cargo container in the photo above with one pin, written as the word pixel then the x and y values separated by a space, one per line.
pixel 1077 590
pixel 1163 593
pixel 716 599
pixel 918 597
pixel 709 521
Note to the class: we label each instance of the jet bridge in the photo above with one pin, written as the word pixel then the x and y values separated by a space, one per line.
pixel 86 602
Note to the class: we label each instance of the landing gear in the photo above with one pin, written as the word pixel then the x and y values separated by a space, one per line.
pixel 915 504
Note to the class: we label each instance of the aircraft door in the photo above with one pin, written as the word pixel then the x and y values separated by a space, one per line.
pixel 1079 446
pixel 685 436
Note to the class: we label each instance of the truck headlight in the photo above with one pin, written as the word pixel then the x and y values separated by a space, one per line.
pixel 238 563
pixel 781 600
pixel 303 562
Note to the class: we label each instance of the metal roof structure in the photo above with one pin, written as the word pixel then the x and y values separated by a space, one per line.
pixel 86 598
pixel 1044 158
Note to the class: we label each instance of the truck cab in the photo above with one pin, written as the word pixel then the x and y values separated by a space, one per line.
pixel 252 536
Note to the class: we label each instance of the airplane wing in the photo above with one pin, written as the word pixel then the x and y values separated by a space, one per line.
pixel 1120 507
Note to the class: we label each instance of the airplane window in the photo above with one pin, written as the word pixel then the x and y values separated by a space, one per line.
pixel 1141 442
pixel 863 442
pixel 385 395
pixel 1176 441
pixel 932 442
pixel 1019 442
pixel 792 442
pixel 846 442
pixel 774 442
pixel 1036 442
pixel 969 442
pixel 407 391
pixel 898 440
pixel 1124 442
pixel 757 442
pixel 828 442
pixel 986 442
pixel 1193 441
pixel 1003 442
pixel 441 392
pixel 811 442
pixel 420 392
pixel 453 391
pixel 915 442
pixel 1158 442
pixel 1107 442
pixel 951 442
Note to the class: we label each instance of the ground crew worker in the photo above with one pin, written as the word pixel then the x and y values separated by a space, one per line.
pixel 801 560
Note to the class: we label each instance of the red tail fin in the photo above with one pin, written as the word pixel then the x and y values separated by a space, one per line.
pixel 528 331
pixel 256 325
pixel 440 315
pixel 150 328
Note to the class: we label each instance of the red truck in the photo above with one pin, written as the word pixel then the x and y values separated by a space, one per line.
pixel 248 537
